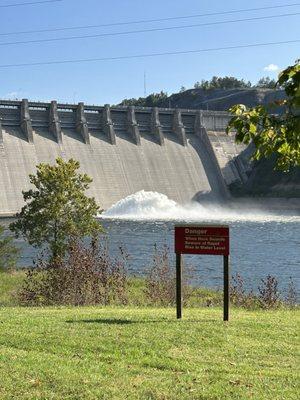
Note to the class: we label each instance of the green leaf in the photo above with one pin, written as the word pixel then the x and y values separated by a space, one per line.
pixel 252 128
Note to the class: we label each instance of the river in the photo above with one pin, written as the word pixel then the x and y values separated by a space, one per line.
pixel 261 243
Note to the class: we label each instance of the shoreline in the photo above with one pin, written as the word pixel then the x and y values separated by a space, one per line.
pixel 291 204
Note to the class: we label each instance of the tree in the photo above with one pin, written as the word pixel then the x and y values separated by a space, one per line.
pixel 8 251
pixel 226 82
pixel 271 134
pixel 57 209
pixel 153 100
pixel 266 83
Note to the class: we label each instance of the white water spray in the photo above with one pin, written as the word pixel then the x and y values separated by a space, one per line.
pixel 156 206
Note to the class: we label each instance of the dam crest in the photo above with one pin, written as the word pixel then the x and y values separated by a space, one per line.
pixel 183 154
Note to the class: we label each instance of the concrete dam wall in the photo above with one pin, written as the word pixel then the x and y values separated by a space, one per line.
pixel 183 154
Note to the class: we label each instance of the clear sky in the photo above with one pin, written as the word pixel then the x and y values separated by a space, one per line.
pixel 111 81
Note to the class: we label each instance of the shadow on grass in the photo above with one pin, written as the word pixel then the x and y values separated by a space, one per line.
pixel 102 321
pixel 111 321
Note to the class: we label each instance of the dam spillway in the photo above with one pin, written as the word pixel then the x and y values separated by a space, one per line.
pixel 184 154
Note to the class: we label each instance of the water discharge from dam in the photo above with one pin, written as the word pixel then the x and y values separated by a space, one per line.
pixel 262 242
pixel 145 205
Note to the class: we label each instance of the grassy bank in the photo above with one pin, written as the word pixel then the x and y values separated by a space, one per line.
pixel 142 353
pixel 138 352
pixel 10 283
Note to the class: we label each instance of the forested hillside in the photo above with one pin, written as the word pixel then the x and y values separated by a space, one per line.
pixel 215 94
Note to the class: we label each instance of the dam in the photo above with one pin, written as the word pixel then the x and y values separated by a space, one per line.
pixel 184 154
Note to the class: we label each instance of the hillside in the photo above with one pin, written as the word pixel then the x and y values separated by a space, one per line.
pixel 265 181
pixel 221 99
pixel 210 99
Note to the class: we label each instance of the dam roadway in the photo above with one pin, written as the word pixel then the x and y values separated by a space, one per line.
pixel 184 154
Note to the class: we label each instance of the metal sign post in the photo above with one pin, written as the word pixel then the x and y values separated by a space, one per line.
pixel 226 289
pixel 202 239
pixel 178 285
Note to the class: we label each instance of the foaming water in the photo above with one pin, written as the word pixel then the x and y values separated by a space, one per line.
pixel 156 206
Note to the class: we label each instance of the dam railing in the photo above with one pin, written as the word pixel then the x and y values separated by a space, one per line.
pixel 111 120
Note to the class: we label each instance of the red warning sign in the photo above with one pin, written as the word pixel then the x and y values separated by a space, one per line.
pixel 202 239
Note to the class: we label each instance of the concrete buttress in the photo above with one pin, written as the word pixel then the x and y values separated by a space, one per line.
pixel 108 125
pixel 81 123
pixel 179 127
pixel 54 123
pixel 133 127
pixel 156 128
pixel 199 126
pixel 26 121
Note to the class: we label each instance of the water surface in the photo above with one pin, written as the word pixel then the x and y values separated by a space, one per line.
pixel 262 243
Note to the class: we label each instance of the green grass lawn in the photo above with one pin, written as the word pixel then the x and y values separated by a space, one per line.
pixel 142 353
pixel 10 282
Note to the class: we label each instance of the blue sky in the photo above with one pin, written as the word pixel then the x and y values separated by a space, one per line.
pixel 111 81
